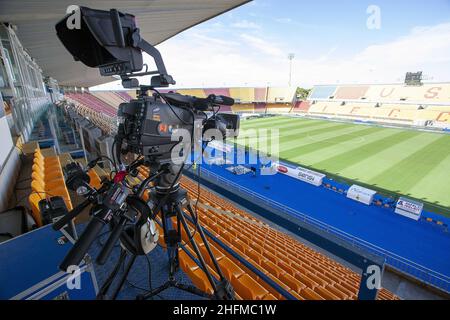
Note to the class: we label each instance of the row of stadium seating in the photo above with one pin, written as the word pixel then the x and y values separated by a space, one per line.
pixel 248 100
pixel 111 98
pixel 391 93
pixel 47 180
pixel 410 114
pixel 91 101
pixel 304 273
pixel 397 104
pixel 101 120
pixel 246 95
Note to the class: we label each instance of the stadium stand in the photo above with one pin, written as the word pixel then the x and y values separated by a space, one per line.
pixel 301 106
pixel 109 97
pixel 200 93
pixel 303 272
pixel 123 95
pixel 427 93
pixel 280 95
pixel 322 92
pixel 218 91
pixel 428 104
pixel 243 95
pixel 47 180
pixel 350 92
pixel 259 260
pixel 90 101
pixel 105 122
pixel 260 94
pixel 278 107
pixel 247 108
pixel 260 107
pixel 393 104
pixel 247 100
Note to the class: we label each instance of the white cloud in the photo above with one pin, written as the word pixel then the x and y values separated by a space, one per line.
pixel 422 45
pixel 283 20
pixel 261 45
pixel 244 24
pixel 199 59
pixel 193 61
pixel 424 48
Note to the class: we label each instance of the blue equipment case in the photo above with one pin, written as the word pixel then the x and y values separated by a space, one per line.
pixel 29 268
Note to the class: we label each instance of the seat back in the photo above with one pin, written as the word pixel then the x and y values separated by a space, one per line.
pixel 34 199
pixel 37 186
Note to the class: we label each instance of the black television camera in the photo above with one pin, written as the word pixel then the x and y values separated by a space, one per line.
pixel 110 41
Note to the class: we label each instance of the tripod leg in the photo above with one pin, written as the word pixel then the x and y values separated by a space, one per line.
pixel 124 276
pixel 171 237
pixel 195 247
pixel 205 241
pixel 154 292
pixel 193 290
pixel 107 284
pixel 224 288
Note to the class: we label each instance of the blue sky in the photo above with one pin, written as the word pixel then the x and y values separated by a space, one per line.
pixel 248 46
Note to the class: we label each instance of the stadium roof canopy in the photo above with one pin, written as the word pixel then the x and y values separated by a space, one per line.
pixel 158 20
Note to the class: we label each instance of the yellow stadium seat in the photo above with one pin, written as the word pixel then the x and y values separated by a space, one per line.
pixel 47 177
pixel 249 289
pixel 310 294
pixel 34 199
pixel 229 268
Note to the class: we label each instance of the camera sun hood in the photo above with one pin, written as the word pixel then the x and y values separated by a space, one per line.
pixel 110 41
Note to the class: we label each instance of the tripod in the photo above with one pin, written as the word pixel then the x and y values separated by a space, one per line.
pixel 171 206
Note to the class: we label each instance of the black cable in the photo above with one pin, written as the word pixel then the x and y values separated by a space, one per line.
pixel 113 153
pixel 104 157
pixel 135 161
pixel 149 272
pixel 149 268
pixel 170 106
pixel 198 193
pixel 107 284
pixel 36 192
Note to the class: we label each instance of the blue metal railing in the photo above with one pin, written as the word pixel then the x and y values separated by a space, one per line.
pixel 395 261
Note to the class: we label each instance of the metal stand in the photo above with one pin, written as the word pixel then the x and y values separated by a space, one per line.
pixel 173 206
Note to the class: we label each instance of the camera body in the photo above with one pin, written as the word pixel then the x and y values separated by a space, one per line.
pixel 146 126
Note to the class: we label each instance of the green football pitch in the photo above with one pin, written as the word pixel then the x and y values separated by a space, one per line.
pixel 407 162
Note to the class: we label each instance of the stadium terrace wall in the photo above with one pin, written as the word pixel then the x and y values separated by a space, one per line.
pixel 430 93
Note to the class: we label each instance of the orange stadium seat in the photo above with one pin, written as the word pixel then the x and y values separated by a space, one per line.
pixel 303 272
pixel 399 104
pixel 297 269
